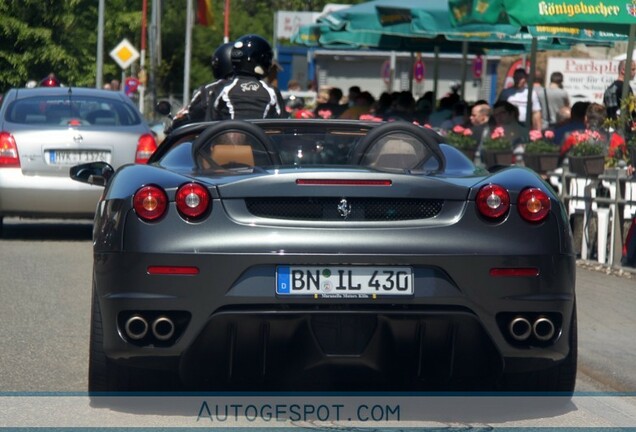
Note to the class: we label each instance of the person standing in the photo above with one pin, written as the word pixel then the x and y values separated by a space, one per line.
pixel 247 95
pixel 552 98
pixel 613 95
pixel 517 95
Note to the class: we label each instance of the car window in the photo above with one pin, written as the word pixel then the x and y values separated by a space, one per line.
pixel 297 149
pixel 81 110
pixel 397 151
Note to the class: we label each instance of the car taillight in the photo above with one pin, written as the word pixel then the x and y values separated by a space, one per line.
pixel 150 203
pixel 8 151
pixel 192 200
pixel 534 205
pixel 493 201
pixel 146 146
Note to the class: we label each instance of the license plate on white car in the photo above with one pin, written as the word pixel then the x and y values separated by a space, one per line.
pixel 349 281
pixel 73 157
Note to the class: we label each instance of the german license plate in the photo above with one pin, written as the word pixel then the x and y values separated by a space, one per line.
pixel 73 157
pixel 349 281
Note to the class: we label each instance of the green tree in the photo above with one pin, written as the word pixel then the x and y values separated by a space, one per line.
pixel 42 36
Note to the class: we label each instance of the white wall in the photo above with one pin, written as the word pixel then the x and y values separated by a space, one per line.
pixel 344 69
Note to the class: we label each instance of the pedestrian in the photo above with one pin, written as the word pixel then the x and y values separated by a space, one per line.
pixel 575 123
pixel 403 108
pixel 552 98
pixel 459 117
pixel 353 93
pixel 613 95
pixel 480 121
pixel 506 116
pixel 247 95
pixel 517 95
pixel 50 81
pixel 332 108
pixel 362 106
pixel 595 116
pixel 197 109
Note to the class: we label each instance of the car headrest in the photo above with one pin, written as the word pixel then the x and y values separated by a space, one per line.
pixel 224 154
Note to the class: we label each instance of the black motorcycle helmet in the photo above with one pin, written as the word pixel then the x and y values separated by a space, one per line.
pixel 252 55
pixel 222 61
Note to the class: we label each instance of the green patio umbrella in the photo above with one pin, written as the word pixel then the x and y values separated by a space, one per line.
pixel 608 19
pixel 405 24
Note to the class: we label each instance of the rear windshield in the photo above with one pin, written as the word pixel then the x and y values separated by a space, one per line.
pixel 78 111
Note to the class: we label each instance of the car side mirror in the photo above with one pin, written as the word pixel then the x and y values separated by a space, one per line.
pixel 94 173
pixel 163 108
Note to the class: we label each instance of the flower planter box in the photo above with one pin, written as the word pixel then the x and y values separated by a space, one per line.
pixel 587 166
pixel 541 162
pixel 496 157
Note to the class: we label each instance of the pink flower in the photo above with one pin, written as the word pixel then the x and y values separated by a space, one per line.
pixel 325 114
pixel 370 117
pixel 497 133
pixel 549 134
pixel 458 129
pixel 535 135
pixel 467 132
pixel 428 126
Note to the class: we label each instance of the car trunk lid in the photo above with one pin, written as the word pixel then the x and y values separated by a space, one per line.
pixel 52 152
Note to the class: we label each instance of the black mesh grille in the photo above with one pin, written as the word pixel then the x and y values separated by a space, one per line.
pixel 335 209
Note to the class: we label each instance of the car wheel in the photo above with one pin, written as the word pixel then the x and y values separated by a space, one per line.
pixel 560 378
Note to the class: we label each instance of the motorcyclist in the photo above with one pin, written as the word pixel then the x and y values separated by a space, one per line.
pixel 197 109
pixel 247 95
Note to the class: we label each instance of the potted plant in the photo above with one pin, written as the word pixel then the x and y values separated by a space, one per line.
pixel 496 149
pixel 586 156
pixel 541 154
pixel 462 139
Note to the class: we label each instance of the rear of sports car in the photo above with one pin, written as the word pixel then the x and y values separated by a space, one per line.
pixel 313 279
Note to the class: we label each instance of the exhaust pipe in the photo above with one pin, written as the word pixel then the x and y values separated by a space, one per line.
pixel 163 328
pixel 520 328
pixel 136 327
pixel 543 329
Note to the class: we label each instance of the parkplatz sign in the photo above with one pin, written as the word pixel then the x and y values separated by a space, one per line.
pixel 124 54
pixel 585 79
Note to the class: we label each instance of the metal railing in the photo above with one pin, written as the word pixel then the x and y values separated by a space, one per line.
pixel 619 180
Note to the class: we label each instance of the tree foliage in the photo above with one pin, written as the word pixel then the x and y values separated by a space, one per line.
pixel 42 36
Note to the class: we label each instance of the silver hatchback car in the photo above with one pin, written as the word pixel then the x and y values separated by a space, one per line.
pixel 44 131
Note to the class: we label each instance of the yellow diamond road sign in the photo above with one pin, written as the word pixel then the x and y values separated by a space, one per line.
pixel 124 54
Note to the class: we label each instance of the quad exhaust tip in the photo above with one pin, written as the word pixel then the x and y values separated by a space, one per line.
pixel 520 328
pixel 163 328
pixel 543 329
pixel 136 327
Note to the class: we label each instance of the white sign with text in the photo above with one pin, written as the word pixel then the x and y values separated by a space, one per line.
pixel 585 79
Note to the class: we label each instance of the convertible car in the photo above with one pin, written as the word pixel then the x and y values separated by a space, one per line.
pixel 328 255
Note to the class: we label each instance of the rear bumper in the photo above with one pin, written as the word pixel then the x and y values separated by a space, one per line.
pixel 231 328
pixel 45 196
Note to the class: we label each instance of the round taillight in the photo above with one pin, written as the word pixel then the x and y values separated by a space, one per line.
pixel 493 201
pixel 534 205
pixel 192 200
pixel 150 203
